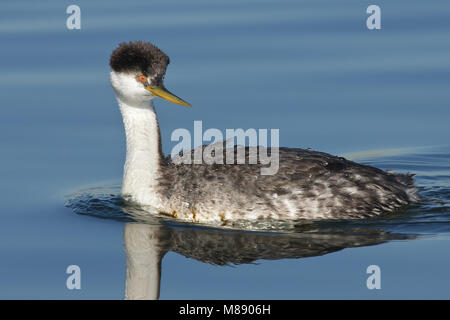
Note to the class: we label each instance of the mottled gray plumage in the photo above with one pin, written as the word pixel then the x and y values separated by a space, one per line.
pixel 308 185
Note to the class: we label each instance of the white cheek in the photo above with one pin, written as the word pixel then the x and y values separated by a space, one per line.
pixel 127 87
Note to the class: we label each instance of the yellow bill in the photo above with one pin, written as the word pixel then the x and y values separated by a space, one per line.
pixel 162 92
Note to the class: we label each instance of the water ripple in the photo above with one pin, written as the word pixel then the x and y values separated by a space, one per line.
pixel 430 217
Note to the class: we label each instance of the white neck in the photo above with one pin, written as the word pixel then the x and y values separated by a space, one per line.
pixel 143 159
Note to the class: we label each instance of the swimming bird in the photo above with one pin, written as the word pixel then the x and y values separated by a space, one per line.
pixel 308 185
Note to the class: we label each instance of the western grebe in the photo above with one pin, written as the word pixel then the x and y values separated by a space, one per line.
pixel 308 184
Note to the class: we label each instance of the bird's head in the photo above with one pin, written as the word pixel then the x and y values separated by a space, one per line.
pixel 137 75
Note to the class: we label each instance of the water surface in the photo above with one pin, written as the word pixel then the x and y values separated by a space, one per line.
pixel 308 68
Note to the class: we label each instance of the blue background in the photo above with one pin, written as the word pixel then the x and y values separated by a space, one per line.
pixel 309 68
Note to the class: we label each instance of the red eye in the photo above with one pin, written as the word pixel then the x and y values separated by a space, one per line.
pixel 142 79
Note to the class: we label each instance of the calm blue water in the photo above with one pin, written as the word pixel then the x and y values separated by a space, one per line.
pixel 309 68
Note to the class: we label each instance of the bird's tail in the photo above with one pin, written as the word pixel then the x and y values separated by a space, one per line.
pixel 407 180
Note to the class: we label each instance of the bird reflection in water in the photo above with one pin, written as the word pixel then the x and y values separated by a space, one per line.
pixel 147 243
pixel 149 237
